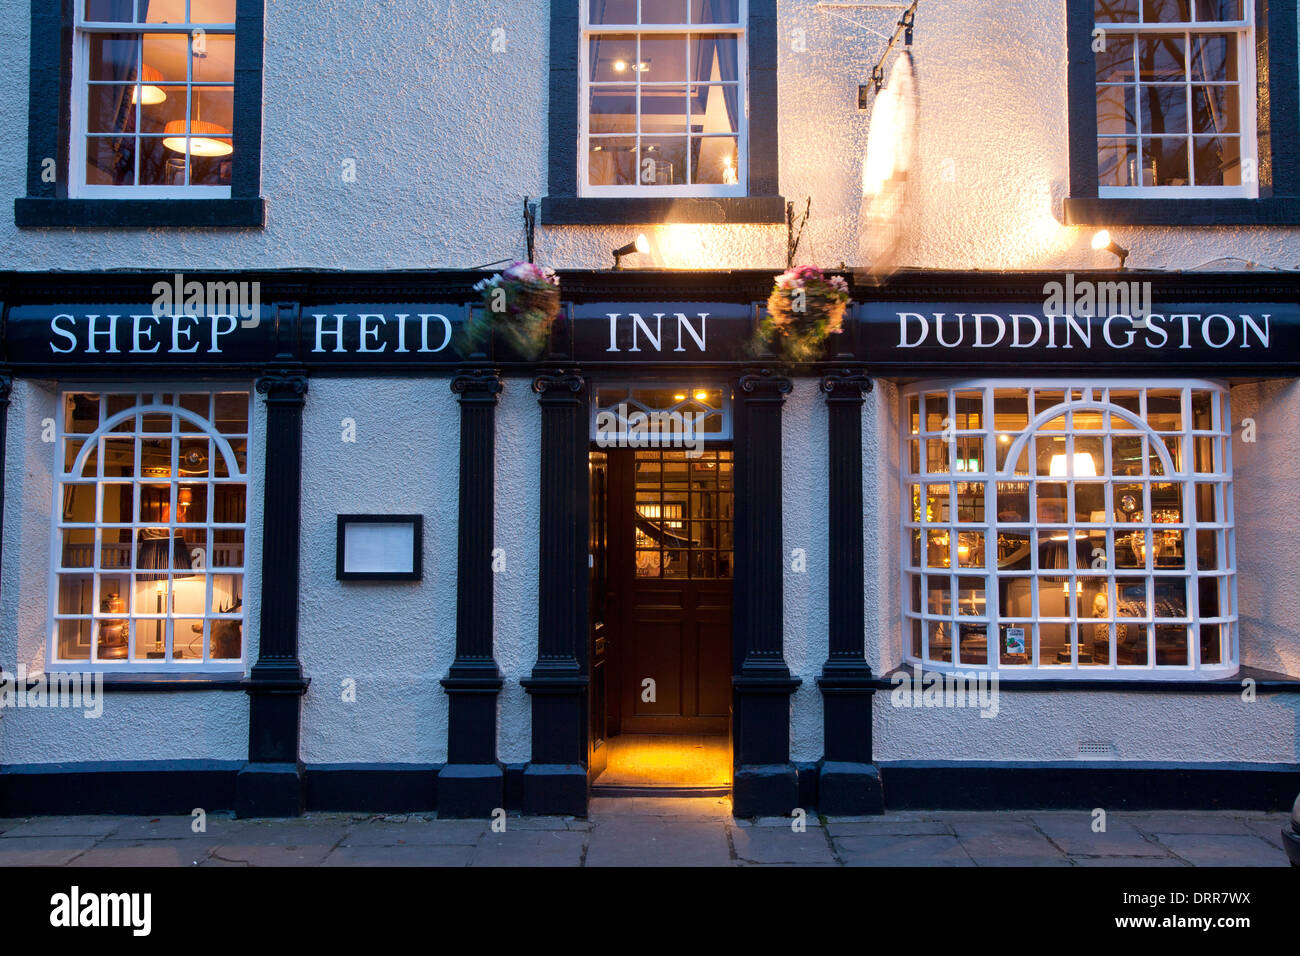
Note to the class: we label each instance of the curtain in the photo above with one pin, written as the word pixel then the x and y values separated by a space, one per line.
pixel 702 68
pixel 123 66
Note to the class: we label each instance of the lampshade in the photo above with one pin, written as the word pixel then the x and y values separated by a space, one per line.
pixel 147 93
pixel 200 141
pixel 1084 466
pixel 162 550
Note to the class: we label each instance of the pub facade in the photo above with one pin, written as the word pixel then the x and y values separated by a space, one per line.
pixel 295 519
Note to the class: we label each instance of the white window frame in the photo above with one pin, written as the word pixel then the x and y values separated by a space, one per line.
pixel 1246 89
pixel 53 662
pixel 723 413
pixel 78 188
pixel 1091 394
pixel 741 31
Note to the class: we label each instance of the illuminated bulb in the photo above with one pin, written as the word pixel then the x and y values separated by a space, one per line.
pixel 1004 438
pixel 1084 466
pixel 701 396
pixel 1101 239
pixel 680 397
pixel 729 172
pixel 620 66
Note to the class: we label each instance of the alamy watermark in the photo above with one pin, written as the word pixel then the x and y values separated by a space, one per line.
pixel 618 427
pixel 240 300
pixel 1085 298
pixel 72 689
pixel 974 689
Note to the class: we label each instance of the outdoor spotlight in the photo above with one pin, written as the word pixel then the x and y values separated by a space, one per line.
pixel 640 244
pixel 1102 240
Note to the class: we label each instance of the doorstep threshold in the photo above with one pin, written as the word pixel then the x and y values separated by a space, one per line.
pixel 650 790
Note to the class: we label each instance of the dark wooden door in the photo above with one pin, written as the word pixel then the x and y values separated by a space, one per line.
pixel 599 603
pixel 670 540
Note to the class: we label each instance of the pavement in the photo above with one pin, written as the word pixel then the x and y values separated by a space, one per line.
pixel 642 831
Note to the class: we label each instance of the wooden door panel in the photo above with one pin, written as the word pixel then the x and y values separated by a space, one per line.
pixel 656 652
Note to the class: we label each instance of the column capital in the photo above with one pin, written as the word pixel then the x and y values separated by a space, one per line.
pixel 477 385
pixel 761 384
pixel 283 384
pixel 558 383
pixel 846 385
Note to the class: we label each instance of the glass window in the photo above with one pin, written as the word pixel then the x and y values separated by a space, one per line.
pixel 1175 97
pixel 149 530
pixel 1110 554
pixel 155 88
pixel 663 87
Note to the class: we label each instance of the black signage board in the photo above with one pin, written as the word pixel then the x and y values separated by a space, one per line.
pixel 908 338
pixel 898 338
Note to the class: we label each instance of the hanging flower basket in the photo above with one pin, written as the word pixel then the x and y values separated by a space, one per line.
pixel 519 306
pixel 803 311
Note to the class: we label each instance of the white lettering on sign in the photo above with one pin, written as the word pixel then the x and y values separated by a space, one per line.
pixel 987 329
pixel 375 335
pixel 180 334
pixel 654 338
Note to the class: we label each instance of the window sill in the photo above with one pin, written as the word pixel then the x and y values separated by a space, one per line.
pixel 33 213
pixel 635 211
pixel 173 682
pixel 1265 682
pixel 1092 211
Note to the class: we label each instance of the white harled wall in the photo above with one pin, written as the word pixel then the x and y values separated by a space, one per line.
pixel 393 641
pixel 448 137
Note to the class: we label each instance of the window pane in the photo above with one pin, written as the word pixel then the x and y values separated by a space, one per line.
pixel 164 11
pixel 113 57
pixel 714 160
pixel 662 161
pixel 715 11
pixel 1217 160
pixel 664 110
pixel 663 11
pixel 110 161
pixel 1116 111
pixel 1117 162
pixel 1164 109
pixel 714 109
pixel 612 58
pixel 1164 162
pixel 1115 63
pixel 1214 109
pixel 663 58
pixel 1166 11
pixel 169 54
pixel 713 57
pixel 612 11
pixel 1161 58
pixel 110 11
pixel 1207 10
pixel 1214 57
pixel 1116 11
pixel 613 110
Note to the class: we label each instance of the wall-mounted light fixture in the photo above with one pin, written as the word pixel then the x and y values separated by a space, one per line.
pixel 640 244
pixel 1101 240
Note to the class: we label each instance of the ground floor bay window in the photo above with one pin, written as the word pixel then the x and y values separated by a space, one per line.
pixel 1065 528
pixel 149 530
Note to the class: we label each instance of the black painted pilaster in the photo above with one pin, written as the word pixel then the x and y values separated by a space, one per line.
pixel 6 388
pixel 848 782
pixel 556 778
pixel 472 783
pixel 270 784
pixel 766 783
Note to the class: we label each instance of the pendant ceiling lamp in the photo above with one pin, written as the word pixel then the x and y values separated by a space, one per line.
pixel 149 93
pixel 199 141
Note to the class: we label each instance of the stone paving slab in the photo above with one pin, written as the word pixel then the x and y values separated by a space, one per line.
pixel 653 841
pixel 1221 850
pixel 1072 832
pixel 772 845
pixel 410 855
pixel 655 831
pixel 1010 843
pixel 523 847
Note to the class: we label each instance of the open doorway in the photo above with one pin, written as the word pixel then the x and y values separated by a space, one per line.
pixel 661 590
